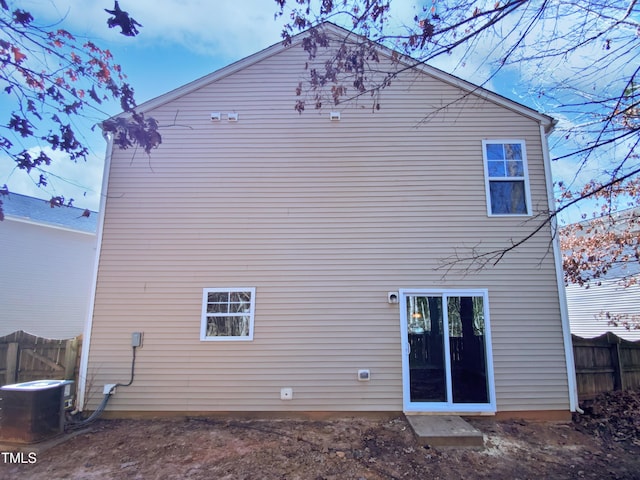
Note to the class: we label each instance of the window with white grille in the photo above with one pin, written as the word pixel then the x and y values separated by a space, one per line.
pixel 227 313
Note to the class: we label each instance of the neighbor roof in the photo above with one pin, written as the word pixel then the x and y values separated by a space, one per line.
pixel 36 210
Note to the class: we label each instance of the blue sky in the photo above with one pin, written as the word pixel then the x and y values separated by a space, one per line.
pixel 180 41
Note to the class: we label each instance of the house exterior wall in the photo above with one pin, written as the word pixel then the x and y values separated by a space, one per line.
pixel 323 219
pixel 45 283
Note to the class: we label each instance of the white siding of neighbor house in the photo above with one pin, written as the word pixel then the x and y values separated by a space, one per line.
pixel 323 219
pixel 586 305
pixel 45 284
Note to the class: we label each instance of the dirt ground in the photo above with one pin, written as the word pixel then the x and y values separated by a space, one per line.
pixel 603 443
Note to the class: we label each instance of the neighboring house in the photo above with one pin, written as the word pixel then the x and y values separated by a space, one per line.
pixel 587 306
pixel 47 267
pixel 293 263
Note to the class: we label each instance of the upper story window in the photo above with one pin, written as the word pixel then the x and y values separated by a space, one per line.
pixel 227 313
pixel 507 183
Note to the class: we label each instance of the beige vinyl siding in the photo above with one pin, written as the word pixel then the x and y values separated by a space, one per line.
pixel 323 219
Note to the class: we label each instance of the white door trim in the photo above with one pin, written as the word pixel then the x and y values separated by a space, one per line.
pixel 449 406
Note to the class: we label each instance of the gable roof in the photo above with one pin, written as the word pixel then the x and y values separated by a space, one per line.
pixel 546 121
pixel 35 210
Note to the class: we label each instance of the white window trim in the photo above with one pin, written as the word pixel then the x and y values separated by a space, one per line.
pixel 488 179
pixel 204 317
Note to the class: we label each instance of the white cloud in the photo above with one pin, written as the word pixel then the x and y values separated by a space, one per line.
pixel 227 28
pixel 80 181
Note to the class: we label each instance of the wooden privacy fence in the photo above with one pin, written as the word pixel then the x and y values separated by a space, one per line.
pixel 604 364
pixel 24 357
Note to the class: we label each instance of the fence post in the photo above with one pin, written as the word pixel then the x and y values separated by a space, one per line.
pixel 12 362
pixel 70 358
pixel 618 374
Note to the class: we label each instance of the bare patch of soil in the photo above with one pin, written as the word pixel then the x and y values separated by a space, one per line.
pixel 346 448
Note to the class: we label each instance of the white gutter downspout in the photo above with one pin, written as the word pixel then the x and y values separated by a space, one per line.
pixel 88 326
pixel 564 312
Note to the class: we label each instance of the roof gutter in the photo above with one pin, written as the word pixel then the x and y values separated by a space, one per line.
pixel 88 326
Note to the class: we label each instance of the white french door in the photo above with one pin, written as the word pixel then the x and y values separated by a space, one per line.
pixel 446 351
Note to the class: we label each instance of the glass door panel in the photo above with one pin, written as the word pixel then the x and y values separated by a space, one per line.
pixel 447 350
pixel 467 350
pixel 427 365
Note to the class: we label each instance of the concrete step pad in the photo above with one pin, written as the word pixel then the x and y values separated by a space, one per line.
pixel 445 431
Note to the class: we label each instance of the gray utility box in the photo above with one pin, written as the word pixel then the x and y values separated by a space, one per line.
pixel 31 412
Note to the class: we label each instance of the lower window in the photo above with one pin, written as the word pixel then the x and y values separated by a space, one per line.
pixel 227 314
